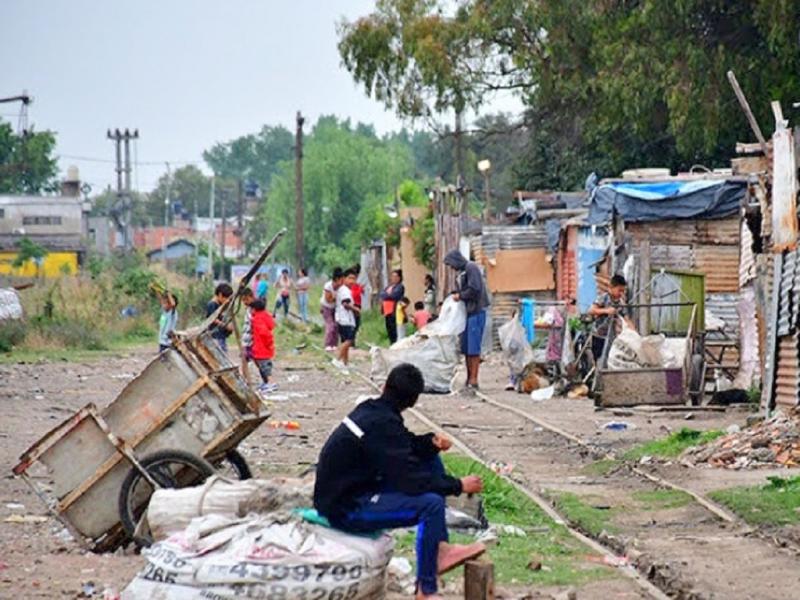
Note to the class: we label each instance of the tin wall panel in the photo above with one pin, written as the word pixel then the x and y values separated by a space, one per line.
pixel 724 307
pixel 671 256
pixel 720 265
pixel 512 237
pixel 687 231
pixel 787 372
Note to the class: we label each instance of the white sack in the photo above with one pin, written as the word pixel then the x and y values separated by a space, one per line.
pixel 10 305
pixel 434 350
pixel 262 557
pixel 171 510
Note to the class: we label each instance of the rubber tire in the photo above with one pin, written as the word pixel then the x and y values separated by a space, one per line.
pixel 697 380
pixel 200 465
pixel 239 464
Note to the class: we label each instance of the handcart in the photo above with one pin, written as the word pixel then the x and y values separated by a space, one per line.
pixel 657 385
pixel 171 426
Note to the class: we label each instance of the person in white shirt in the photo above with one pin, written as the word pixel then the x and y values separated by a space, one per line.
pixel 345 314
pixel 328 306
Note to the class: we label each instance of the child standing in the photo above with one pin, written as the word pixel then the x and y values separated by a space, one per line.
pixel 284 286
pixel 302 286
pixel 219 330
pixel 168 320
pixel 401 317
pixel 345 314
pixel 421 315
pixel 263 348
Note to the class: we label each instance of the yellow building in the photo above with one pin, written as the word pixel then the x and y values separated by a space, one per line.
pixel 54 264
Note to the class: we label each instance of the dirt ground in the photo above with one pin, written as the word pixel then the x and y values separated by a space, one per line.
pixel 695 554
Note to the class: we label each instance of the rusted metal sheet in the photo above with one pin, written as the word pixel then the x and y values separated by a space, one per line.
pixel 687 232
pixel 512 237
pixel 784 186
pixel 670 256
pixel 567 265
pixel 787 372
pixel 724 307
pixel 720 265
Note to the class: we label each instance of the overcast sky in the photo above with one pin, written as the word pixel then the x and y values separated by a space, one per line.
pixel 186 73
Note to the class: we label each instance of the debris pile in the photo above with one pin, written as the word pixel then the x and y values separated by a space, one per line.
pixel 774 442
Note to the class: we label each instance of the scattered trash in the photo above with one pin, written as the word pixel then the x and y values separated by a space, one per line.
pixel 293 378
pixel 511 530
pixel 400 566
pixel 290 425
pixel 457 519
pixel 501 468
pixel 535 564
pixel 122 376
pixel 543 393
pixel 38 397
pixel 733 429
pixel 616 561
pixel 25 519
pixel 770 443
pixel 645 460
pixel 111 594
pixel 618 426
pixel 488 537
pixel 88 589
pixel 579 391
pixel 688 416
pixel 15 506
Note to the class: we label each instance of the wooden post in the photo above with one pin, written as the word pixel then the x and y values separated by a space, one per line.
pixel 478 580
pixel 299 214
pixel 747 112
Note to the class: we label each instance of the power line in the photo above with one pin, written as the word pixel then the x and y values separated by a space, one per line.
pixel 141 162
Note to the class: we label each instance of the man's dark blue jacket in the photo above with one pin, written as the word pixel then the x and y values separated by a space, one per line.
pixel 370 452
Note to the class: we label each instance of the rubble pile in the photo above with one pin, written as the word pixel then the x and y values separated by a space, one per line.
pixel 771 443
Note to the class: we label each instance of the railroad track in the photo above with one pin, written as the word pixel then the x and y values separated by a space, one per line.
pixel 627 570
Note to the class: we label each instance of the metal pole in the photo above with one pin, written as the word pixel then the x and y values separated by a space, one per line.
pixel 222 242
pixel 166 216
pixel 299 215
pixel 213 231
pixel 487 194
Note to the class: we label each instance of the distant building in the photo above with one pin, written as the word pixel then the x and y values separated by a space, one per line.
pixel 174 251
pixel 57 223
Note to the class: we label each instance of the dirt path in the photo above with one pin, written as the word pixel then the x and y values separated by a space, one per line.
pixel 706 558
pixel 686 549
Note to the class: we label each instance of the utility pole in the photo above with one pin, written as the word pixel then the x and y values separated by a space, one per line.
pixel 124 200
pixel 224 194
pixel 166 216
pixel 298 194
pixel 459 151
pixel 239 207
pixel 212 241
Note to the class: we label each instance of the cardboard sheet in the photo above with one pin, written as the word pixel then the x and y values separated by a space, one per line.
pixel 520 271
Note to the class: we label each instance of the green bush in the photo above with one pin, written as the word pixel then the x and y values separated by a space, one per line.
pixel 12 333
pixel 75 334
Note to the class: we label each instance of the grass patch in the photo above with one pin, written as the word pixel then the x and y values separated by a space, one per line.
pixel 562 556
pixel 774 503
pixel 588 518
pixel 601 468
pixel 672 445
pixel 662 499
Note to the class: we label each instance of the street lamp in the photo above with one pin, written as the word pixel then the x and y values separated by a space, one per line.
pixel 485 166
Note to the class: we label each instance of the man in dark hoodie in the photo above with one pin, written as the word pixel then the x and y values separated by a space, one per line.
pixel 375 474
pixel 471 290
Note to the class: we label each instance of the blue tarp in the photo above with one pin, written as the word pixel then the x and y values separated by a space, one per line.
pixel 639 202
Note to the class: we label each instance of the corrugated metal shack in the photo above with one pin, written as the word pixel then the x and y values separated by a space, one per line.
pixel 678 227
pixel 519 256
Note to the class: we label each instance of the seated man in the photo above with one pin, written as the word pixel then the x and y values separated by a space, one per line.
pixel 375 474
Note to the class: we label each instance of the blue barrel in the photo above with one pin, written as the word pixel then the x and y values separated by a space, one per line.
pixel 527 314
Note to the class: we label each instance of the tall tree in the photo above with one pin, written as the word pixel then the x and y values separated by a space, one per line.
pixel 27 164
pixel 187 186
pixel 608 85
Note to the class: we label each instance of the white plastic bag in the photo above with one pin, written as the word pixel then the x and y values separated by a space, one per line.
pixel 434 350
pixel 514 343
pixel 262 557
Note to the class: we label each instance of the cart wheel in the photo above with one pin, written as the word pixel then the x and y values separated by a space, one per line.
pixel 169 469
pixel 697 380
pixel 236 462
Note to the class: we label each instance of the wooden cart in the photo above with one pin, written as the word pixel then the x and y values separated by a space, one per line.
pixel 656 385
pixel 169 427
